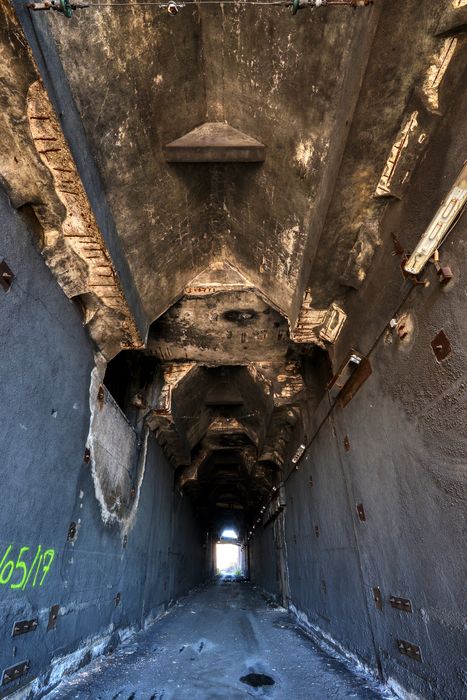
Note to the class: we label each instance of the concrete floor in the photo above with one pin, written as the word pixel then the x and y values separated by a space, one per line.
pixel 206 644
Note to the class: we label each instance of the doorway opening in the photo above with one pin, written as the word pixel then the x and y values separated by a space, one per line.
pixel 228 559
pixel 228 555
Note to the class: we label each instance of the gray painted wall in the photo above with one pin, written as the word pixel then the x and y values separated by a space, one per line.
pixel 46 361
pixel 263 563
pixel 406 465
pixel 405 461
pixel 407 469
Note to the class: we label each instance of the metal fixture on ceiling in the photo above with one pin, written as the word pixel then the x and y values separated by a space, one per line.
pixel 67 8
pixel 441 225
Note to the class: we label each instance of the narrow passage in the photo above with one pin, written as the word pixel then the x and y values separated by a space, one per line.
pixel 224 641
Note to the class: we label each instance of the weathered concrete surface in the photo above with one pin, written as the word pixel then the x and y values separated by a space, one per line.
pixel 220 327
pixel 46 362
pixel 206 644
pixel 300 85
pixel 153 67
pixel 398 448
pixel 392 91
pixel 263 561
pixel 268 217
pixel 112 444
pixel 295 91
pixel 42 181
pixel 53 75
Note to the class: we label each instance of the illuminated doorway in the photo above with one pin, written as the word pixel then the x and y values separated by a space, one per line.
pixel 228 561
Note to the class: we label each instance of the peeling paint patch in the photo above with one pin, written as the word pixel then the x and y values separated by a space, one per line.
pixel 361 256
pixel 61 666
pixel 384 185
pixel 437 70
pixel 316 325
pixel 333 323
pixel 114 456
pixel 289 237
pixel 304 154
pixel 74 248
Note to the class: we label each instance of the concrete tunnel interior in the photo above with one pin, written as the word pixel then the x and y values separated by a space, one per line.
pixel 233 311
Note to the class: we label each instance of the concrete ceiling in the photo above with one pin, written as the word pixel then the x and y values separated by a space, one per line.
pixel 237 266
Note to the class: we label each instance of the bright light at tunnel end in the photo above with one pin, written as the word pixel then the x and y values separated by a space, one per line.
pixel 229 534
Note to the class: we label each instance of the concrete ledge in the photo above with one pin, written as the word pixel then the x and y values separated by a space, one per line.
pixel 453 21
pixel 215 142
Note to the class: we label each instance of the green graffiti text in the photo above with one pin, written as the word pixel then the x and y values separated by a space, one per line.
pixel 23 569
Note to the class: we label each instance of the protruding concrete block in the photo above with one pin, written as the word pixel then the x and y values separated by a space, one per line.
pixel 215 142
pixel 453 21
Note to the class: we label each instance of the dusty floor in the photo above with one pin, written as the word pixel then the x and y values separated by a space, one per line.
pixel 204 647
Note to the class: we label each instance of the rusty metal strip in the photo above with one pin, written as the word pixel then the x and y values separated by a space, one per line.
pixel 6 276
pixel 408 649
pixel 359 376
pixel 403 604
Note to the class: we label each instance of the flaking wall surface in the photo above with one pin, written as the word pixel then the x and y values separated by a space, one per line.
pixel 404 459
pixel 46 362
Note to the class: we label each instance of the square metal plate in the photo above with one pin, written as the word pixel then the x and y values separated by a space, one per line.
pixel 441 346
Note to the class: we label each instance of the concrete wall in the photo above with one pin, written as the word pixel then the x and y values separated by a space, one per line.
pixel 405 464
pixel 145 76
pixel 398 448
pixel 263 560
pixel 46 363
pixel 274 213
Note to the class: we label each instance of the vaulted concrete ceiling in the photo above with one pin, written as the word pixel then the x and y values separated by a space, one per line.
pixel 240 268
pixel 142 78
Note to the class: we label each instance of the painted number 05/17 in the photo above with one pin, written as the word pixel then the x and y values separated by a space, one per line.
pixel 24 570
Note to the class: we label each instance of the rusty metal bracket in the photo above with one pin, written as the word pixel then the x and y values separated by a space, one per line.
pixel 6 276
pixel 443 271
pixel 404 256
pixel 441 346
pixel 399 249
pixel 53 617
pixel 361 512
pixel 357 379
pixel 410 650
pixel 71 532
pixel 344 373
pixel 14 672
pixel 408 275
pixel 24 626
pixel 403 604
pixel 378 597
